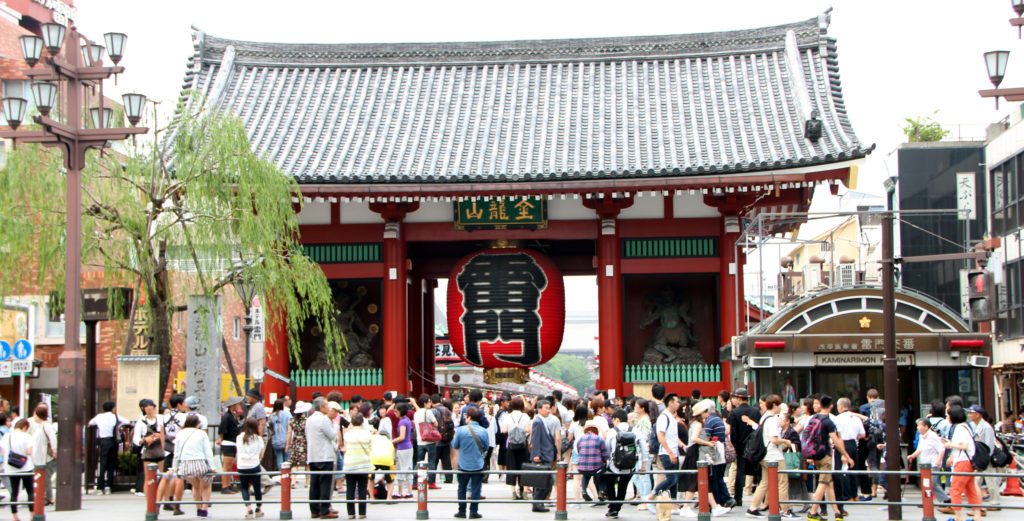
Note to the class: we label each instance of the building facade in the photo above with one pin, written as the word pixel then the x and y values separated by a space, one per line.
pixel 637 157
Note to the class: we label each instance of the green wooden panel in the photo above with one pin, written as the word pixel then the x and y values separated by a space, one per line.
pixel 667 248
pixel 343 253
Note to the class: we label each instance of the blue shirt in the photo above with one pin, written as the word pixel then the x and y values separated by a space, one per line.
pixel 278 423
pixel 471 453
pixel 715 427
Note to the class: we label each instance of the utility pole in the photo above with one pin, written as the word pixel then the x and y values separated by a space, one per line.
pixel 889 368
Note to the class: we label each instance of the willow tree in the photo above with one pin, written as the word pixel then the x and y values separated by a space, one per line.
pixel 200 196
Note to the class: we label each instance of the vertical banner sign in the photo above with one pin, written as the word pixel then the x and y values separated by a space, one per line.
pixel 257 340
pixel 965 195
pixel 202 354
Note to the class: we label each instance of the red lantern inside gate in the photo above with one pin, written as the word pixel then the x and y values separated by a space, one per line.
pixel 506 308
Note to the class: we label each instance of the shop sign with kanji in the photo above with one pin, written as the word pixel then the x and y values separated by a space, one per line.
pixel 501 214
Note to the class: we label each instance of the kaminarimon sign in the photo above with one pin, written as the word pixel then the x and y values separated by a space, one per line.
pixel 506 308
pixel 62 13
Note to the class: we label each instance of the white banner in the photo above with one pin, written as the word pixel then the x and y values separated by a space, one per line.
pixel 965 195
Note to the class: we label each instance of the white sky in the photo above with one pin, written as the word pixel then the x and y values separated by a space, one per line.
pixel 898 58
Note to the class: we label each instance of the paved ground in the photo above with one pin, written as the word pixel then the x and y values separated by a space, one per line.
pixel 126 507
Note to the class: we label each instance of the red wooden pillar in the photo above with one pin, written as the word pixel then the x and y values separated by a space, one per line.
pixel 275 351
pixel 609 292
pixel 395 302
pixel 415 325
pixel 429 364
pixel 730 285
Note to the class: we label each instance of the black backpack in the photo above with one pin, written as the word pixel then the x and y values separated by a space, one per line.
pixel 1000 458
pixel 446 426
pixel 982 456
pixel 754 449
pixel 626 454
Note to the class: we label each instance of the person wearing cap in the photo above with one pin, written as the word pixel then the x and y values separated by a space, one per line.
pixel 592 453
pixel 191 407
pixel 256 409
pixel 741 413
pixel 984 433
pixel 321 453
pixel 230 428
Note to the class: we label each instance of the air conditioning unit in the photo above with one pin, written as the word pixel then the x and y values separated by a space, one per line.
pixel 846 274
pixel 759 362
pixel 979 361
pixel 812 277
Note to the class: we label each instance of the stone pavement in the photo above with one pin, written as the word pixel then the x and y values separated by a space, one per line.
pixel 127 507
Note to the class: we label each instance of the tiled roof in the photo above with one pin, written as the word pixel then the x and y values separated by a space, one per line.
pixel 650 106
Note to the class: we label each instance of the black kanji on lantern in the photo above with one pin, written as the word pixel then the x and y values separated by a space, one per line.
pixel 501 292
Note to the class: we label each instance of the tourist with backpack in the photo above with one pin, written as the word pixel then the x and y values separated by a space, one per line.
pixel 962 452
pixel 624 448
pixel 517 426
pixel 740 430
pixel 984 434
pixel 817 440
pixel 643 429
pixel 593 453
pixel 668 447
pixel 446 424
pixel 774 444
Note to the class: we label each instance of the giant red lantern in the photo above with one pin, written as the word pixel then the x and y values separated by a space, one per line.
pixel 506 308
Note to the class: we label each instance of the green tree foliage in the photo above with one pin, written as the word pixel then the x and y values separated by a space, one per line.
pixel 200 199
pixel 571 370
pixel 923 129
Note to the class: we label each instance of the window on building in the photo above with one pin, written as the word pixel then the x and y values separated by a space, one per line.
pixel 826 247
pixel 1010 320
pixel 56 329
pixel 236 331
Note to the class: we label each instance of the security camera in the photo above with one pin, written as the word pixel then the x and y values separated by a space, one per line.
pixel 954 354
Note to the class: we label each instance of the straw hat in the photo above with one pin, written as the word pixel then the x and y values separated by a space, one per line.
pixel 302 407
pixel 702 407
pixel 591 424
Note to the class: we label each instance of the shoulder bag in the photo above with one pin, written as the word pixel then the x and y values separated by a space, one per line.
pixel 14 459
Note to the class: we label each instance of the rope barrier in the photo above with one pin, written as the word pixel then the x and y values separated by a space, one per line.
pixel 560 475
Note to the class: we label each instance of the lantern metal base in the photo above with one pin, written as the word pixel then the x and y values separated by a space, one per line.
pixel 507 375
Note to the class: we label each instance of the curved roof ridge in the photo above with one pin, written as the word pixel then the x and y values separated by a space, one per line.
pixel 808 32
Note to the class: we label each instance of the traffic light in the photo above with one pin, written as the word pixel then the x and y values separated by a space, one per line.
pixel 981 295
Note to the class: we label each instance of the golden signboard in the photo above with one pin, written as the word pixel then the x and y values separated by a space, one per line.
pixel 507 375
pixel 501 214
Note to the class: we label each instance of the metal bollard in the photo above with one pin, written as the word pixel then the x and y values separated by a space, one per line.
pixel 774 509
pixel 39 500
pixel 927 494
pixel 561 486
pixel 703 505
pixel 422 479
pixel 286 491
pixel 150 488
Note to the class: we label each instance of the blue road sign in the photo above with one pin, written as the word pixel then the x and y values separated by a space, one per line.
pixel 23 350
pixel 5 350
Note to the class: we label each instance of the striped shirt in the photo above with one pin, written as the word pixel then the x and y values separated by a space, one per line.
pixel 357 449
pixel 593 453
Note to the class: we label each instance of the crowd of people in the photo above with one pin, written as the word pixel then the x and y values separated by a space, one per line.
pixel 26 443
pixel 619 451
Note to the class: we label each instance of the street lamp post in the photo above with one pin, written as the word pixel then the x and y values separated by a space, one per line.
pixel 246 289
pixel 890 369
pixel 65 70
pixel 995 63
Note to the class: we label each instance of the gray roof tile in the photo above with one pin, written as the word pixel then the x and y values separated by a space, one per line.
pixel 533 110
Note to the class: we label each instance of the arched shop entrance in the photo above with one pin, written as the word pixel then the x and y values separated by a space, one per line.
pixel 831 342
pixel 630 159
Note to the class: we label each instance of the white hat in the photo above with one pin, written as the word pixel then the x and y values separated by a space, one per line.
pixel 702 406
pixel 335 405
pixel 302 407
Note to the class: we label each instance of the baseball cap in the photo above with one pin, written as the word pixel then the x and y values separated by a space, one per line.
pixel 334 405
pixel 192 402
pixel 976 409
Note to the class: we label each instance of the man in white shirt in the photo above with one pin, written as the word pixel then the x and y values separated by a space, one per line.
pixel 850 426
pixel 775 444
pixel 108 426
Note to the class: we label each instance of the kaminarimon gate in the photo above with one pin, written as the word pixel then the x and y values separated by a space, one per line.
pixel 514 163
